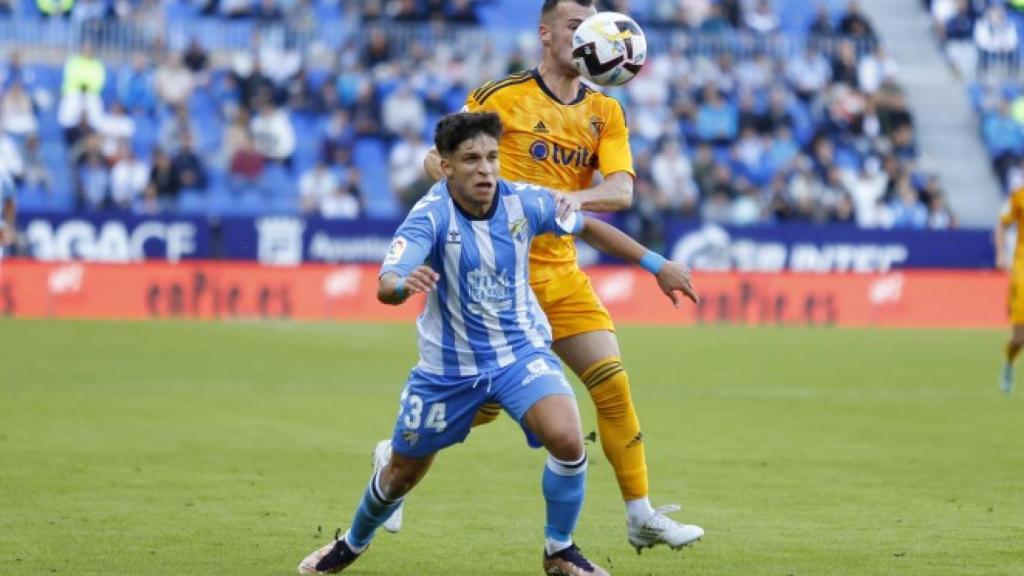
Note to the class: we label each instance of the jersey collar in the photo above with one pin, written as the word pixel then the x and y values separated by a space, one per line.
pixel 544 87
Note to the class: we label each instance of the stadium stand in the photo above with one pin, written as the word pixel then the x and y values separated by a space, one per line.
pixel 747 113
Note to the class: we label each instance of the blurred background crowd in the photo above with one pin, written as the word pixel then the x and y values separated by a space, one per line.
pixel 747 112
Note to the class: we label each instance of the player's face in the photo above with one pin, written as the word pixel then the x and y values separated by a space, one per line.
pixel 472 170
pixel 556 32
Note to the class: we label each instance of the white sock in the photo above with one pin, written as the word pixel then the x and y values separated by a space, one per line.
pixel 351 547
pixel 639 510
pixel 552 546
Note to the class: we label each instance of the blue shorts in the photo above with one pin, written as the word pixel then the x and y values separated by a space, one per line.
pixel 438 411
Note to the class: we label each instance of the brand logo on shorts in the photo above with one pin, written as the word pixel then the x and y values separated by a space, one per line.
pixel 540 368
pixel 411 437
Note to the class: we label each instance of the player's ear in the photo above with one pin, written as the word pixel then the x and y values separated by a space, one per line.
pixel 446 166
pixel 545 34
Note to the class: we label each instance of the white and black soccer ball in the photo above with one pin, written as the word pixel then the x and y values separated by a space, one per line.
pixel 609 48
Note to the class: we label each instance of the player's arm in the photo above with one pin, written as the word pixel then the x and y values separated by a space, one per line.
pixel 403 272
pixel 612 195
pixel 432 165
pixel 615 162
pixel 394 289
pixel 672 276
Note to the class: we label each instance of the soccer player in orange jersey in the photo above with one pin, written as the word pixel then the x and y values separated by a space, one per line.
pixel 558 132
pixel 1013 215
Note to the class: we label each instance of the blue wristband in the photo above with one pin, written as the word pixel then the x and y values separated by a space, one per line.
pixel 400 287
pixel 652 262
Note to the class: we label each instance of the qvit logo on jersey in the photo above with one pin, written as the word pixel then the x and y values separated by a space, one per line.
pixel 579 157
pixel 711 248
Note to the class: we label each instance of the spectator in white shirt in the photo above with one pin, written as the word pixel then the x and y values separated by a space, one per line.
pixel 761 18
pixel 403 110
pixel 407 178
pixel 116 128
pixel 16 110
pixel 273 133
pixel 315 185
pixel 875 68
pixel 672 173
pixel 128 179
pixel 173 81
pixel 809 74
pixel 11 161
pixel 995 35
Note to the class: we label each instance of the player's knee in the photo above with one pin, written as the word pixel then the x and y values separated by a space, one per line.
pixel 398 479
pixel 566 444
pixel 611 396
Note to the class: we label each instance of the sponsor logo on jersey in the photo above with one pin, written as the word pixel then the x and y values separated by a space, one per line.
pixel 578 157
pixel 454 237
pixel 488 292
pixel 540 128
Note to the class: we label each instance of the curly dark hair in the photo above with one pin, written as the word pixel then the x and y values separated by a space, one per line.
pixel 454 129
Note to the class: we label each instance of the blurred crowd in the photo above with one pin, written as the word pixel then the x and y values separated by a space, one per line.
pixel 981 41
pixel 819 134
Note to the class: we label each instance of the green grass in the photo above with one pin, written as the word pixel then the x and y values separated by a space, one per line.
pixel 197 448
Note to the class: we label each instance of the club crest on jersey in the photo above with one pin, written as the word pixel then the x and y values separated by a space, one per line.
pixel 488 292
pixel 518 229
pixel 596 126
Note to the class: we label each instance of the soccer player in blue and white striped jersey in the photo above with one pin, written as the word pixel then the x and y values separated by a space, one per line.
pixel 483 337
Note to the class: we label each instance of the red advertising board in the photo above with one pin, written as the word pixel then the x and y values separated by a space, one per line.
pixel 207 290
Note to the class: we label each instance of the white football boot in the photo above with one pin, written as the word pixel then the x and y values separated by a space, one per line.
pixel 381 456
pixel 660 529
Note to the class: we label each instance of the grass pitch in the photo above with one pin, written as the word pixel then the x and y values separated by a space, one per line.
pixel 199 448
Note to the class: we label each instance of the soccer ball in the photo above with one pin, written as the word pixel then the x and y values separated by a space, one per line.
pixel 609 48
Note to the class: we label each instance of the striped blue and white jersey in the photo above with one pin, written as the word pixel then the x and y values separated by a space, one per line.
pixel 483 314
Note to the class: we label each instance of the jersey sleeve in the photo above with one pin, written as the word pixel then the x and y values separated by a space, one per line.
pixel 472 104
pixel 541 209
pixel 613 153
pixel 411 245
pixel 1012 210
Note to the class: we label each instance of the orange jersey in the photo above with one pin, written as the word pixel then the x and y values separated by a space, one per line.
pixel 554 144
pixel 1013 214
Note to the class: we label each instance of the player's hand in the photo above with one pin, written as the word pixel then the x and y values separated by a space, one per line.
pixel 565 204
pixel 1002 263
pixel 675 277
pixel 422 280
pixel 7 237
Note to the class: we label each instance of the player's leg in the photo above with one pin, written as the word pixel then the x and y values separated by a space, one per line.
pixel 435 413
pixel 1013 348
pixel 594 357
pixel 538 396
pixel 585 340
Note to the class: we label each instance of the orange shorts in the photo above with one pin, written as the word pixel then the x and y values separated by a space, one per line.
pixel 570 303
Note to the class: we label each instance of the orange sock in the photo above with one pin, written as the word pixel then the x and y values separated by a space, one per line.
pixel 618 426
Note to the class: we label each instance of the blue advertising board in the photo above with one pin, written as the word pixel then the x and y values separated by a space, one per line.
pixel 289 240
